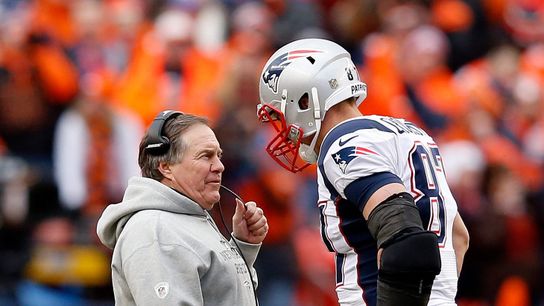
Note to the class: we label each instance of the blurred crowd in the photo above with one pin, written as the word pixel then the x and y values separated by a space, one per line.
pixel 80 80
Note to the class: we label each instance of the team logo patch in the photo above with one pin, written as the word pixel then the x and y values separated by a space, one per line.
pixel 273 71
pixel 162 289
pixel 333 83
pixel 344 156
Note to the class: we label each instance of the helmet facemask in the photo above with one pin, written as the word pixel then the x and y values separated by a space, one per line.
pixel 284 148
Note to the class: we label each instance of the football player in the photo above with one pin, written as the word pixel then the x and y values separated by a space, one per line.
pixel 386 209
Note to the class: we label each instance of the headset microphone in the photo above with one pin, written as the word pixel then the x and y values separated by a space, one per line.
pixel 233 193
pixel 234 240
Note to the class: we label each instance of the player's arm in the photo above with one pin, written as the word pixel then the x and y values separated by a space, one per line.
pixel 380 195
pixel 460 241
pixel 409 256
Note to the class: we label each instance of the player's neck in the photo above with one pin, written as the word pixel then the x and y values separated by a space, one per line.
pixel 336 114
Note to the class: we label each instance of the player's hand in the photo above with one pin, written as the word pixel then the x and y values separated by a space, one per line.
pixel 249 223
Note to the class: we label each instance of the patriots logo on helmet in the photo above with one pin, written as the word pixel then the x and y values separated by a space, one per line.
pixel 343 157
pixel 273 71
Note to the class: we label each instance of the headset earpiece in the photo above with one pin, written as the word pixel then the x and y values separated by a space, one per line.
pixel 157 143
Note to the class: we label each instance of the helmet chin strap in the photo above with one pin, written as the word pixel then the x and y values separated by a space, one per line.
pixel 307 152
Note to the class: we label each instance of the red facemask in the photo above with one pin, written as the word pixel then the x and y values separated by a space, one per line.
pixel 283 147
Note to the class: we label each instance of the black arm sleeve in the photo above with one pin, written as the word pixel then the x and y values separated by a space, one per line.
pixel 397 214
pixel 410 259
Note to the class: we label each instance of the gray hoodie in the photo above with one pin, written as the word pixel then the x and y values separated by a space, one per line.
pixel 167 250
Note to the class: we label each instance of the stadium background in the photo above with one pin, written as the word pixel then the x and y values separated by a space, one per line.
pixel 81 79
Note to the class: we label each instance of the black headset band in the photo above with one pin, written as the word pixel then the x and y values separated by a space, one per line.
pixel 157 142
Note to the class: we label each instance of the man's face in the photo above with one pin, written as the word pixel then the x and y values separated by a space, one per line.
pixel 198 174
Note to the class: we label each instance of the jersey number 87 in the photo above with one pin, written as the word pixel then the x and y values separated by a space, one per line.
pixel 426 165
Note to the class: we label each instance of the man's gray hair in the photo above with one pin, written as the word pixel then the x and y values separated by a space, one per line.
pixel 173 129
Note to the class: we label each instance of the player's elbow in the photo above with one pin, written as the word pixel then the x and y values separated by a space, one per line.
pixel 463 241
pixel 461 236
pixel 407 248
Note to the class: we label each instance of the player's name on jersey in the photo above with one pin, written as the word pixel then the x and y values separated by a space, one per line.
pixel 402 126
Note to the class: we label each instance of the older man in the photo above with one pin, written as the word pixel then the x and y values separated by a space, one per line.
pixel 167 250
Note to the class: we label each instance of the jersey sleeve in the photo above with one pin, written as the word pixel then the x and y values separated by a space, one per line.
pixel 360 190
pixel 364 160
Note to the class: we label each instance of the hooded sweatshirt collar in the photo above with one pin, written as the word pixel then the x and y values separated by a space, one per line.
pixel 142 194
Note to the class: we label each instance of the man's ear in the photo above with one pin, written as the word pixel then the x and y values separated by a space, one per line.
pixel 165 170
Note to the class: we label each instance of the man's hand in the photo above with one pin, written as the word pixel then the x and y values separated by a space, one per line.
pixel 249 223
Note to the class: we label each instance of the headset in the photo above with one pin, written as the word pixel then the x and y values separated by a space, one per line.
pixel 157 143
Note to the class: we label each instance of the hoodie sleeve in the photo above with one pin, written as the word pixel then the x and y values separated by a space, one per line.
pixel 164 275
pixel 249 252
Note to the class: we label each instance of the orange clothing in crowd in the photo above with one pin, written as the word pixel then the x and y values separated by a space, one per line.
pixel 316 284
pixel 273 190
pixel 202 74
pixel 57 74
pixel 137 88
pixel 142 88
pixel 532 61
pixel 499 150
pixel 55 18
pixel 514 291
pixel 40 74
pixel 440 95
pixel 452 15
pixel 475 83
pixel 387 93
pixel 382 78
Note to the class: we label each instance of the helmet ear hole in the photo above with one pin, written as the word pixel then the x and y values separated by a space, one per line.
pixel 304 102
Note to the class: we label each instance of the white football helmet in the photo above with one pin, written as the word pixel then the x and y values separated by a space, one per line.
pixel 299 84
